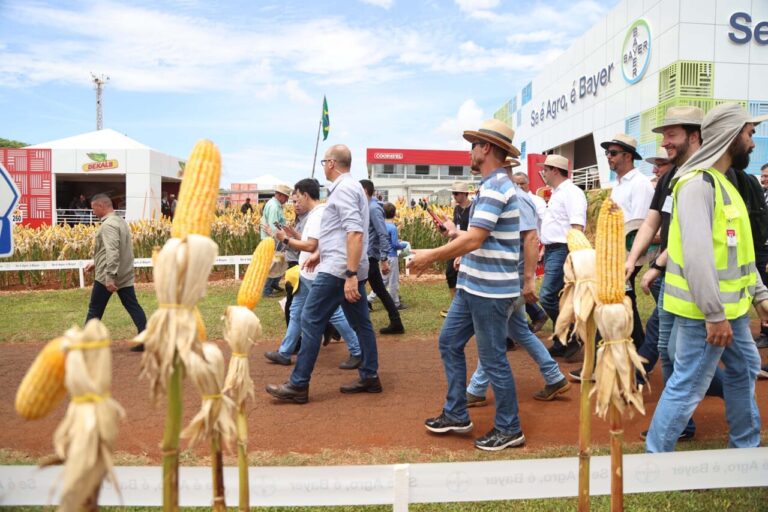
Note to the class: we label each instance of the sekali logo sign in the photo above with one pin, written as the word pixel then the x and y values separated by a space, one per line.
pixel 100 163
pixel 636 52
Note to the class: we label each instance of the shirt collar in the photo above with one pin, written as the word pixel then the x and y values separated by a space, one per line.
pixel 628 177
pixel 337 181
pixel 561 185
pixel 494 173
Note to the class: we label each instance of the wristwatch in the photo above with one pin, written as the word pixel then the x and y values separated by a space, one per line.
pixel 286 240
pixel 350 273
pixel 655 266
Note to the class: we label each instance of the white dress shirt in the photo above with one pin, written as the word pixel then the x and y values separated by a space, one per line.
pixel 633 192
pixel 567 206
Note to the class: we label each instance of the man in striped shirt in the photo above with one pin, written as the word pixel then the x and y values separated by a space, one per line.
pixel 488 282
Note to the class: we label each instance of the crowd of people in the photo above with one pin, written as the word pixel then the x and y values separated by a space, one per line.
pixel 700 224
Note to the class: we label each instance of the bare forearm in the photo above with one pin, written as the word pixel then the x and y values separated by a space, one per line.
pixel 530 254
pixel 465 242
pixel 645 235
pixel 354 249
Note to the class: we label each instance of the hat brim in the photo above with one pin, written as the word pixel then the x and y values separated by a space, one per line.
pixel 655 160
pixel 674 122
pixel 759 119
pixel 473 136
pixel 542 165
pixel 630 149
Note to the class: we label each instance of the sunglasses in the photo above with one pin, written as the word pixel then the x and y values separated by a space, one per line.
pixel 476 143
pixel 614 152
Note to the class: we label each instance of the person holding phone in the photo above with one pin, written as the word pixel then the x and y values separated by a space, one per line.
pixel 460 192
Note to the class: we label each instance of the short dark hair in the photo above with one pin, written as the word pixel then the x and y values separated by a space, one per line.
pixel 101 198
pixel 498 152
pixel 308 186
pixel 368 186
pixel 764 167
pixel 389 211
pixel 691 129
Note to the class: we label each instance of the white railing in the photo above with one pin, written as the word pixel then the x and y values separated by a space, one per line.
pixel 84 216
pixel 587 178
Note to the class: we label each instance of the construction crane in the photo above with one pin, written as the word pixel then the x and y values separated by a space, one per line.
pixel 99 81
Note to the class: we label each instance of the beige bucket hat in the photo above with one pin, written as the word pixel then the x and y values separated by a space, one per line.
pixel 460 186
pixel 511 163
pixel 626 142
pixel 681 115
pixel 497 133
pixel 283 189
pixel 661 157
pixel 558 161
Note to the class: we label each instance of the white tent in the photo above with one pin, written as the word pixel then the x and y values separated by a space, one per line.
pixel 107 156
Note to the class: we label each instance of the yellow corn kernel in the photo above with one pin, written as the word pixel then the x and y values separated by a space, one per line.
pixel 43 386
pixel 610 249
pixel 199 190
pixel 577 240
pixel 253 283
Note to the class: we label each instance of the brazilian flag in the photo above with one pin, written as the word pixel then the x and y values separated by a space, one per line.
pixel 326 119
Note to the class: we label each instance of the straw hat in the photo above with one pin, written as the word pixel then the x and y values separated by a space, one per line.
pixel 511 163
pixel 283 189
pixel 497 133
pixel 558 161
pixel 460 186
pixel 681 115
pixel 626 142
pixel 661 157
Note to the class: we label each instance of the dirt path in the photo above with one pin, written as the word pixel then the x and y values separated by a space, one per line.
pixel 414 387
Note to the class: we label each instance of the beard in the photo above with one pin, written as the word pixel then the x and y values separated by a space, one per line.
pixel 739 155
pixel 475 165
pixel 681 153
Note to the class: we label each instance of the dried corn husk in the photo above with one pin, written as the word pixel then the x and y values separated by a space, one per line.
pixel 181 276
pixel 617 360
pixel 217 412
pixel 577 300
pixel 85 438
pixel 241 328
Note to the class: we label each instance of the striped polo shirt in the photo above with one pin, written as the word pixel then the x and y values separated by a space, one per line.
pixel 491 270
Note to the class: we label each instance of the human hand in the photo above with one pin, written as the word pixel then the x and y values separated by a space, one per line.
pixel 629 267
pixel 719 333
pixel 456 264
pixel 311 262
pixel 762 310
pixel 648 278
pixel 420 260
pixel 89 266
pixel 529 291
pixel 110 286
pixel 291 232
pixel 351 292
pixel 451 231
pixel 385 267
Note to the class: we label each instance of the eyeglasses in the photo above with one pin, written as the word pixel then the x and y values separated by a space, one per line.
pixel 614 152
pixel 323 162
pixel 457 193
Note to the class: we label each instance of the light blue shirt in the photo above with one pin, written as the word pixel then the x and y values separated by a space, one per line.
pixel 346 212
pixel 491 270
pixel 528 221
pixel 378 239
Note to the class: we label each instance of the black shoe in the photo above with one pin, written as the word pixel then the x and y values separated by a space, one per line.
pixel 368 385
pixel 550 391
pixel 401 307
pixel 685 436
pixel 576 375
pixel 277 288
pixel 572 352
pixel 494 440
pixel 762 340
pixel 394 327
pixel 289 393
pixel 137 348
pixel 511 346
pixel 537 325
pixel 442 425
pixel 352 363
pixel 278 358
pixel 763 373
pixel 557 349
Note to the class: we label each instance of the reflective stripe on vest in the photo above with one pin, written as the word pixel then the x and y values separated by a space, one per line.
pixel 735 265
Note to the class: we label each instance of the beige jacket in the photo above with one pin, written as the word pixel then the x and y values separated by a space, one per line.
pixel 113 256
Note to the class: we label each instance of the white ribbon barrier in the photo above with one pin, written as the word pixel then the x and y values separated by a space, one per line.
pixel 80 264
pixel 402 484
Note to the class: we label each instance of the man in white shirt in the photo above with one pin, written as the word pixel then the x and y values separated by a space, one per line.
pixel 567 208
pixel 633 193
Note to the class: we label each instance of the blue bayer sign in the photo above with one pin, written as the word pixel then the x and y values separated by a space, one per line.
pixel 9 198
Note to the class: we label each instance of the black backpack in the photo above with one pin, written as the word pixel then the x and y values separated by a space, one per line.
pixel 754 199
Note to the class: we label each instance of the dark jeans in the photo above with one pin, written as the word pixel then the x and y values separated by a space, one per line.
pixel 761 260
pixel 650 348
pixel 378 287
pixel 100 297
pixel 289 292
pixel 535 312
pixel 554 279
pixel 325 295
pixel 638 336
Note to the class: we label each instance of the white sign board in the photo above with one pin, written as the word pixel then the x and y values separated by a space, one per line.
pixel 9 198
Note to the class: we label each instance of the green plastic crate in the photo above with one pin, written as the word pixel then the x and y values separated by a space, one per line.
pixel 691 79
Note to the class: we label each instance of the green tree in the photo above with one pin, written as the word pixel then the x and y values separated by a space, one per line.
pixel 9 143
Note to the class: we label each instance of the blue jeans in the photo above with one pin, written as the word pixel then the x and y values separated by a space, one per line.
pixel 293 332
pixel 268 284
pixel 695 364
pixel 486 319
pixel 649 349
pixel 517 329
pixel 553 281
pixel 325 296
pixel 535 312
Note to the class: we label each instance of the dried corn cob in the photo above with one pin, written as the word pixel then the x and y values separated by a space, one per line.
pixel 43 386
pixel 199 190
pixel 577 240
pixel 253 284
pixel 609 244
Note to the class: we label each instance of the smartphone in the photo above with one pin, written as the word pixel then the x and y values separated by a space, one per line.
pixel 278 225
pixel 436 219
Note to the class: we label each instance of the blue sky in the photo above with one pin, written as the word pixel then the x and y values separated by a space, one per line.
pixel 251 75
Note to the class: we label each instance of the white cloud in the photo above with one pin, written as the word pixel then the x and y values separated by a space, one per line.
pixel 476 5
pixel 386 4
pixel 469 117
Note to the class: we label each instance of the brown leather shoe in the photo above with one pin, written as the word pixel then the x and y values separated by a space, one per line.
pixel 289 393
pixel 369 385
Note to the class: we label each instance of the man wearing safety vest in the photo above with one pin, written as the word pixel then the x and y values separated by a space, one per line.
pixel 710 283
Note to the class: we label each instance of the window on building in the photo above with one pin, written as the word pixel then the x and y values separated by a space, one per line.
pixel 388 169
pixel 455 170
pixel 422 169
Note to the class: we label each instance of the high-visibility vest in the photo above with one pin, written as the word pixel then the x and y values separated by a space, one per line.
pixel 735 264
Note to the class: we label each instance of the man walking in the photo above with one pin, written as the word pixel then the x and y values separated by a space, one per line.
pixel 341 275
pixel 247 208
pixel 378 254
pixel 273 214
pixel 113 261
pixel 710 283
pixel 567 208
pixel 488 283
pixel 460 193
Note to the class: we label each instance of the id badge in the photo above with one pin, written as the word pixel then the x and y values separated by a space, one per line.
pixel 731 237
pixel 667 207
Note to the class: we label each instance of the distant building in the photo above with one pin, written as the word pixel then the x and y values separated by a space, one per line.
pixel 418 173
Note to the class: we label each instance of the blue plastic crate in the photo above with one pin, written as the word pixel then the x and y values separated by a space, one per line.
pixel 646 150
pixel 519 118
pixel 759 156
pixel 522 149
pixel 759 108
pixel 632 126
pixel 527 94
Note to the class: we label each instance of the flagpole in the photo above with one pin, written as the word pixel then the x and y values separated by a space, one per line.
pixel 317 143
